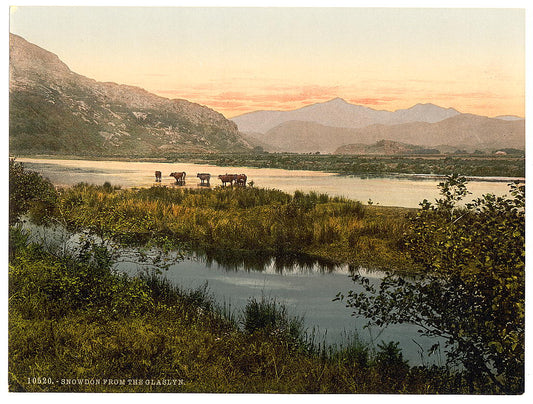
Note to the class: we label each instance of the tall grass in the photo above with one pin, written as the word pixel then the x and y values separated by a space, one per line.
pixel 242 219
pixel 267 315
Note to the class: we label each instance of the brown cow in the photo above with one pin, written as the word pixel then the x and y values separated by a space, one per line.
pixel 227 178
pixel 158 176
pixel 204 177
pixel 240 179
pixel 179 177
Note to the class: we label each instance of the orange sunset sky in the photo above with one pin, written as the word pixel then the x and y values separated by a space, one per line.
pixel 236 60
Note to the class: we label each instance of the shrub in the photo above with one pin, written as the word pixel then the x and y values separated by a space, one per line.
pixel 29 192
pixel 472 291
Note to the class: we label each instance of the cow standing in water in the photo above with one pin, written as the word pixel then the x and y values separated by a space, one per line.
pixel 158 176
pixel 204 178
pixel 225 178
pixel 179 177
pixel 240 179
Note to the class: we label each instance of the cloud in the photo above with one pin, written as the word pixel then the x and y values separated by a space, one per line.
pixel 373 101
pixel 231 100
pixel 227 104
pixel 273 95
pixel 235 101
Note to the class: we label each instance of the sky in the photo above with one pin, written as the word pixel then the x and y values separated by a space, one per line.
pixel 237 60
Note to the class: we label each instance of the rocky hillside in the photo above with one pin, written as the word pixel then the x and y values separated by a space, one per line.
pixel 54 110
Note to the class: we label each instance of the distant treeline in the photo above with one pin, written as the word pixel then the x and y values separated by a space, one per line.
pixel 474 164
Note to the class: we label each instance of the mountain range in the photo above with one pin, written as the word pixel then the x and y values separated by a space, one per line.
pixel 324 127
pixel 341 114
pixel 54 110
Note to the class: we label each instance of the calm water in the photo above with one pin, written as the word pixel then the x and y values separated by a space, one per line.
pixel 389 191
pixel 307 289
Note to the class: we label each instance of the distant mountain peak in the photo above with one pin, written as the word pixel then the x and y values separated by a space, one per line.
pixel 337 100
pixel 430 105
pixel 339 113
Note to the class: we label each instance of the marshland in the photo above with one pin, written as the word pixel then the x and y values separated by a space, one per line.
pixel 73 312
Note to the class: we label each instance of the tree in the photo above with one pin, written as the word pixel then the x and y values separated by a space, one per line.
pixel 471 291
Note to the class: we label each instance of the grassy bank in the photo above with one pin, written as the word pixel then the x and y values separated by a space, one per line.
pixel 230 221
pixel 79 327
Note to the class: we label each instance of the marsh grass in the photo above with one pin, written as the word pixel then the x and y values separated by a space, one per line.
pixel 268 315
pixel 234 221
pixel 74 321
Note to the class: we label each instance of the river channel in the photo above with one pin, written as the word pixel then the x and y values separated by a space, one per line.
pixel 306 288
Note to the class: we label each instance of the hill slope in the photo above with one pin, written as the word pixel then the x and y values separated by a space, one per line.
pixel 54 110
pixel 465 131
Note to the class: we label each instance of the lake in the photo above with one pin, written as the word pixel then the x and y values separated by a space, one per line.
pixel 306 288
pixel 405 191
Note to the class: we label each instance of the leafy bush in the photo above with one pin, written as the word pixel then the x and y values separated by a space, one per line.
pixel 41 287
pixel 29 192
pixel 472 291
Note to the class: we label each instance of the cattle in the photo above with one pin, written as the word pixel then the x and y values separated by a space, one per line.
pixel 225 178
pixel 179 177
pixel 204 178
pixel 158 176
pixel 240 179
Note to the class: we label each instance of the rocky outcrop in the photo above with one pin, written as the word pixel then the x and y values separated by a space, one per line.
pixel 54 110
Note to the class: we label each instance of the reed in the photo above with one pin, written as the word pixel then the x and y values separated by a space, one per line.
pixel 252 219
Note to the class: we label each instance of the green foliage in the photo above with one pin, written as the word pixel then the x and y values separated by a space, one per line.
pixel 71 314
pixel 70 319
pixel 29 192
pixel 41 288
pixel 391 366
pixel 472 291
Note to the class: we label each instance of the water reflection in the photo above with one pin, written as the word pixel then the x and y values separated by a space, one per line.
pixel 268 263
pixel 281 264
